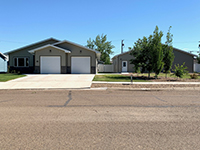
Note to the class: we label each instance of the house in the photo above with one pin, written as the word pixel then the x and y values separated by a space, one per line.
pixel 121 62
pixel 3 63
pixel 52 56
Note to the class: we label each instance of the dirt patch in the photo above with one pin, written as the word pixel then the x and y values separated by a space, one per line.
pixel 110 85
pixel 162 79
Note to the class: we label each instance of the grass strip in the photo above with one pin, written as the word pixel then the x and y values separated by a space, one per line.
pixel 10 76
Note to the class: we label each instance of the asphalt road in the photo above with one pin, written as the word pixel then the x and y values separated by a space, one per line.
pixel 62 119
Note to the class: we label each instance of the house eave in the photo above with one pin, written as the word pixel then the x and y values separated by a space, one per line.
pixel 7 53
pixel 65 41
pixel 46 46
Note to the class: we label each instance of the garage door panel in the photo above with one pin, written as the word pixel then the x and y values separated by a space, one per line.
pixel 50 64
pixel 80 65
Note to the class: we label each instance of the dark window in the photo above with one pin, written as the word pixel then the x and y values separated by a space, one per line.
pixel 15 62
pixel 124 64
pixel 27 62
pixel 21 62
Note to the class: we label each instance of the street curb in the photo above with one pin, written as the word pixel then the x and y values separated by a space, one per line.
pixel 87 88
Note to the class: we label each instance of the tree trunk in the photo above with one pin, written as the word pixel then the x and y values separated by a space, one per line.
pixel 149 74
pixel 156 76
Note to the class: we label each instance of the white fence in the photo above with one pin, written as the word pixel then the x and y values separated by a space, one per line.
pixel 196 67
pixel 105 68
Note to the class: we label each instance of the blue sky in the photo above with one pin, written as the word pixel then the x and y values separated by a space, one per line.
pixel 24 22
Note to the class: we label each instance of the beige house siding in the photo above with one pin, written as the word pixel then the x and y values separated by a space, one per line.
pixel 50 52
pixel 76 51
pixel 117 62
pixel 79 52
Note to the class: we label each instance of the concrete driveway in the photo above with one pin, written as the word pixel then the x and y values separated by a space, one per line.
pixel 41 81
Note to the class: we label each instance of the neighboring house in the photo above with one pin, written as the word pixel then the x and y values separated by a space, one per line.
pixel 121 62
pixel 52 56
pixel 3 63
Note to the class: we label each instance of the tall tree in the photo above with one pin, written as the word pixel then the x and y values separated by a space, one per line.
pixel 157 51
pixel 90 44
pixel 168 52
pixel 102 45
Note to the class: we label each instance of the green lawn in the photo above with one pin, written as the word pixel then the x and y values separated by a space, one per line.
pixel 116 78
pixel 136 77
pixel 9 76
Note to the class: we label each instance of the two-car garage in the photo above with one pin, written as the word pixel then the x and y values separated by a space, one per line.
pixel 52 65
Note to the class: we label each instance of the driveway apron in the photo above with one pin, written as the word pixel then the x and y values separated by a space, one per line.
pixel 41 81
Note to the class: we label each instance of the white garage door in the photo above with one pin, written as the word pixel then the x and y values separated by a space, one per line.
pixel 80 65
pixel 50 64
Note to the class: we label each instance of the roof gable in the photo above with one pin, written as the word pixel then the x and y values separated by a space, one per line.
pixel 121 54
pixel 98 54
pixel 65 41
pixel 50 40
pixel 52 46
pixel 3 56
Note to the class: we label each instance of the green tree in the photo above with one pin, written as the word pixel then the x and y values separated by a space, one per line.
pixel 148 54
pixel 142 56
pixel 102 45
pixel 168 53
pixel 179 71
pixel 156 51
pixel 90 44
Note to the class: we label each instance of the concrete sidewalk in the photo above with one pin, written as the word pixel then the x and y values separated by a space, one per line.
pixel 84 81
pixel 50 81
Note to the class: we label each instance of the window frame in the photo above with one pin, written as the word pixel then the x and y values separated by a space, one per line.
pixel 25 63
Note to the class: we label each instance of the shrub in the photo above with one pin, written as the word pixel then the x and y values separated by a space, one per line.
pixel 194 76
pixel 179 71
pixel 13 71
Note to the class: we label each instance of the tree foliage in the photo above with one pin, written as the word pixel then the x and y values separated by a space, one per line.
pixel 150 55
pixel 102 45
pixel 157 51
pixel 168 52
pixel 179 71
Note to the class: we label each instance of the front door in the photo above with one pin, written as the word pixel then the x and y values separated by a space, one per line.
pixel 124 66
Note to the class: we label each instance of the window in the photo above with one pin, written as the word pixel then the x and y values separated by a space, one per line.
pixel 124 64
pixel 21 62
